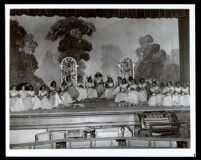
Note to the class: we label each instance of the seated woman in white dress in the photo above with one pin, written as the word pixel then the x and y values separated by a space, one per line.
pixel 26 98
pixel 122 96
pixel 142 94
pixel 176 95
pixel 55 99
pixel 169 90
pixel 109 88
pixel 44 98
pixel 133 93
pixel 81 89
pixel 154 92
pixel 71 88
pixel 91 91
pixel 16 102
pixel 34 98
pixel 185 96
pixel 160 95
pixel 117 86
pixel 65 96
pixel 99 84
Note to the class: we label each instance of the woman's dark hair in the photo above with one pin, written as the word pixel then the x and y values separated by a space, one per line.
pixel 162 84
pixel 154 82
pixel 30 87
pixel 89 79
pixel 169 82
pixel 109 78
pixel 98 74
pixel 130 78
pixel 63 83
pixel 142 79
pixel 52 83
pixel 124 81
pixel 41 87
pixel 68 78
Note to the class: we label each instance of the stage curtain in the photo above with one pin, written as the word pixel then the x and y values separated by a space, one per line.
pixel 183 24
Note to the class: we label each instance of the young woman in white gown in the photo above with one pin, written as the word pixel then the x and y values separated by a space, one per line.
pixel 142 94
pixel 44 100
pixel 34 98
pixel 154 92
pixel 99 84
pixel 117 86
pixel 55 99
pixel 122 96
pixel 71 88
pixel 133 93
pixel 65 96
pixel 16 102
pixel 185 96
pixel 91 91
pixel 109 88
pixel 26 98
pixel 169 90
pixel 160 95
pixel 81 89
pixel 177 94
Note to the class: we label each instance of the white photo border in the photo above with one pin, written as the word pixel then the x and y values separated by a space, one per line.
pixel 190 152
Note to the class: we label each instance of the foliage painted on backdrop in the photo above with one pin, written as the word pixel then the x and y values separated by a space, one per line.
pixel 22 60
pixel 70 32
pixel 151 62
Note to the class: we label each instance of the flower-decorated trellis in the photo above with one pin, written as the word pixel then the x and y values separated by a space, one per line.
pixel 69 68
pixel 126 67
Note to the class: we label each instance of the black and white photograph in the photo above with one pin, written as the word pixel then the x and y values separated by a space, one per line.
pixel 115 79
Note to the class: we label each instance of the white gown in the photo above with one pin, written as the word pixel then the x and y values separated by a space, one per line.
pixel 55 98
pixel 65 97
pixel 142 94
pixel 109 91
pixel 133 94
pixel 185 97
pixel 91 92
pixel 153 98
pixel 176 96
pixel 123 93
pixel 160 96
pixel 168 96
pixel 26 100
pixel 16 103
pixel 35 100
pixel 82 91
pixel 45 103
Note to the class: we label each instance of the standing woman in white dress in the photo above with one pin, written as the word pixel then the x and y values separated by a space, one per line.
pixel 154 92
pixel 43 96
pixel 185 95
pixel 65 96
pixel 81 89
pixel 142 94
pixel 55 99
pixel 91 90
pixel 34 98
pixel 26 98
pixel 169 90
pixel 109 88
pixel 177 94
pixel 122 96
pixel 133 93
pixel 99 84
pixel 71 88
pixel 16 102
pixel 160 95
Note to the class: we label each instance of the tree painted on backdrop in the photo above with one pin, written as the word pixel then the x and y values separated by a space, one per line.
pixel 70 32
pixel 22 60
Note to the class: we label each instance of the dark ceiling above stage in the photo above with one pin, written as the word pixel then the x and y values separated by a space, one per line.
pixel 130 13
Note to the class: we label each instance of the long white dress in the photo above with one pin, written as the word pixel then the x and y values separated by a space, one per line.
pixel 176 96
pixel 142 94
pixel 34 100
pixel 122 96
pixel 65 96
pixel 153 98
pixel 133 94
pixel 26 98
pixel 91 91
pixel 160 96
pixel 168 96
pixel 45 103
pixel 54 97
pixel 16 103
pixel 185 97
pixel 109 91
pixel 82 91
